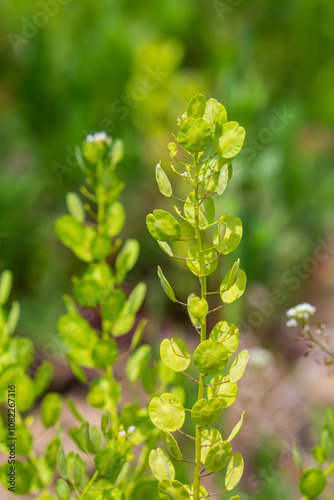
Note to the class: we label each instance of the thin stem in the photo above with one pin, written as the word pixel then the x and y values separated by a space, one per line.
pixel 197 471
pixel 183 201
pixel 191 378
pixel 319 344
pixel 185 434
pixel 216 309
pixel 90 483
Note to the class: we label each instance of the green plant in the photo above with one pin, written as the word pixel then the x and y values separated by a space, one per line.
pixel 212 141
pixel 313 480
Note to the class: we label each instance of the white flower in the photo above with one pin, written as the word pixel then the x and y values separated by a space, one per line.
pixel 185 175
pixel 301 311
pixel 131 429
pixel 292 323
pixel 122 433
pixel 98 138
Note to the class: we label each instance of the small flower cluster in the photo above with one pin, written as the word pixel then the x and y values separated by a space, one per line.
pixel 98 138
pixel 299 314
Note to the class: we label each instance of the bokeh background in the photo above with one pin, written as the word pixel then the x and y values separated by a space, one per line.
pixel 70 68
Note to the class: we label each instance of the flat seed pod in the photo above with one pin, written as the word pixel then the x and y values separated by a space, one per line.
pixel 167 413
pixel 138 362
pixel 171 445
pixel 113 305
pixel 208 439
pixel 172 490
pixel 114 218
pixel 172 148
pixel 75 206
pixel 231 277
pixel 198 308
pixel 135 299
pixel 237 290
pixel 163 182
pixel 218 456
pixel 126 259
pixel 76 237
pixel 87 293
pixel 174 353
pixel 215 114
pixel 165 285
pixel 237 428
pixel 228 334
pixel 195 135
pixel 209 260
pixel 226 392
pixel 161 466
pixel 163 226
pixel 208 175
pixel 196 106
pixel 312 482
pixel 206 213
pixel 205 413
pixel 104 353
pixel 239 366
pixel 194 320
pixel 123 325
pixel 231 139
pixel 210 357
pixel 228 234
pixel 100 247
pixel 234 472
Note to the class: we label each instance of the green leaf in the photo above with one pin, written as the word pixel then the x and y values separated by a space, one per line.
pixel 61 463
pixel 138 335
pixel 87 293
pixel 78 336
pixel 75 206
pixel 228 334
pixel 210 261
pixel 237 428
pixel 113 305
pixel 137 362
pixel 6 281
pixel 198 308
pixel 228 234
pixel 231 140
pixel 296 457
pixel 100 247
pixel 43 378
pixel 312 482
pixel 117 151
pixel 167 413
pixel 104 353
pixel 208 439
pixel 319 454
pixel 234 472
pixel 161 466
pixel 196 106
pixel 174 353
pixel 210 357
pixel 114 218
pixel 223 179
pixel 237 290
pixel 50 408
pixel 231 277
pixel 163 182
pixel 13 317
pixel 239 366
pixel 195 135
pixel 166 248
pixel 226 392
pixel 126 259
pixel 76 237
pixel 165 285
pixel 172 490
pixel 205 413
pixel 123 325
pixel 171 445
pixel 23 439
pixel 62 490
pixel 172 148
pixel 218 456
pixel 51 453
pixel 163 226
pixel 135 299
pixel 144 489
pixel 215 114
pixel 24 476
pixel 206 213
pixel 109 462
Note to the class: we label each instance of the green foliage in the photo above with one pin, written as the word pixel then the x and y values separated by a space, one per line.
pixel 213 142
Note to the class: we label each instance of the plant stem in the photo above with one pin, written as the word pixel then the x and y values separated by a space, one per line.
pixel 197 479
pixel 89 484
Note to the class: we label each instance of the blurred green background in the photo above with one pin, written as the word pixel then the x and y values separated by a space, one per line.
pixel 70 68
